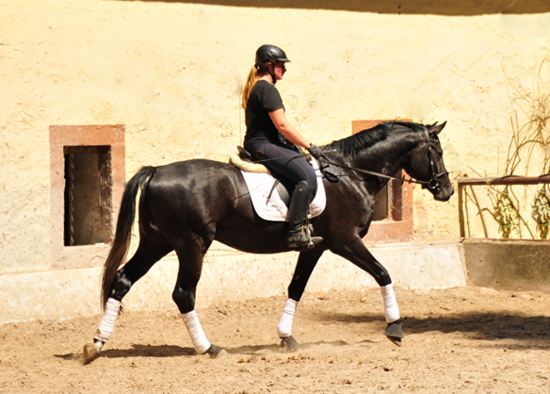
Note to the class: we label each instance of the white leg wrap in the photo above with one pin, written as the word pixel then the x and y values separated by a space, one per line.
pixel 285 324
pixel 391 310
pixel 198 337
pixel 107 324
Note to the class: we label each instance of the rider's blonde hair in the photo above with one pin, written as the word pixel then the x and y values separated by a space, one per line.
pixel 253 76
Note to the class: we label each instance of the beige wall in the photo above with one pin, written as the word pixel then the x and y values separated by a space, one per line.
pixel 172 73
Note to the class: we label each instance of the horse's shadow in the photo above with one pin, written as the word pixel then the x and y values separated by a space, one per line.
pixel 138 351
pixel 276 348
pixel 162 351
pixel 149 351
pixel 528 331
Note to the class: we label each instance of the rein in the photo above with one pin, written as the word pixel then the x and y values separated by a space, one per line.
pixel 403 179
pixel 433 184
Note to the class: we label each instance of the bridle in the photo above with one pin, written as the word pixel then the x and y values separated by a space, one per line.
pixel 433 184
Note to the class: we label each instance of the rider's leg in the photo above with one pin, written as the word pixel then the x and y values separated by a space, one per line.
pixel 298 234
pixel 293 166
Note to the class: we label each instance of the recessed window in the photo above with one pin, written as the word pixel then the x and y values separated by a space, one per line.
pixel 381 205
pixel 388 204
pixel 87 195
pixel 87 176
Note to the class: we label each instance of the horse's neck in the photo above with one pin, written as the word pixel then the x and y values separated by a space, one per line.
pixel 386 157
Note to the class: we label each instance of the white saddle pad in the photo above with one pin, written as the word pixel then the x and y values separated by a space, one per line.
pixel 272 208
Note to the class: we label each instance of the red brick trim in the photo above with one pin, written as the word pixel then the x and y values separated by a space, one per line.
pixel 61 136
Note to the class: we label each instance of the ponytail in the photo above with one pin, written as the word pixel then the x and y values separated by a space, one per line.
pixel 253 76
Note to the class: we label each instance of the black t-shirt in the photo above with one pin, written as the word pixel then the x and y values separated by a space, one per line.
pixel 264 98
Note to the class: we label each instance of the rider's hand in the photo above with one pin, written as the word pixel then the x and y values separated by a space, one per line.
pixel 315 151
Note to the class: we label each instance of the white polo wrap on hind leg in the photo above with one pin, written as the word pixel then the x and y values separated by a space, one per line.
pixel 391 310
pixel 107 324
pixel 198 337
pixel 285 324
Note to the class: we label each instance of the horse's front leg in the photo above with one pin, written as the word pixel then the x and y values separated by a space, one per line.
pixel 304 268
pixel 358 254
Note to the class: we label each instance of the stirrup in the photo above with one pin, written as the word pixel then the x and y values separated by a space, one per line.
pixel 303 238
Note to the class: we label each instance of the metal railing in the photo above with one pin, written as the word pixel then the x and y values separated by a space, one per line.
pixel 467 182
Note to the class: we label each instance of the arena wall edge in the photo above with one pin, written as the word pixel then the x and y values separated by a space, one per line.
pixel 66 294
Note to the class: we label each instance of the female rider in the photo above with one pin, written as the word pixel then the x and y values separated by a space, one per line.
pixel 267 133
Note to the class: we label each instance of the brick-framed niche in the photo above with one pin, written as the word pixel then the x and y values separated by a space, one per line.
pixel 393 218
pixel 87 175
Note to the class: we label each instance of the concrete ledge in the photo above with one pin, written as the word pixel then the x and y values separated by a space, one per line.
pixel 508 264
pixel 227 275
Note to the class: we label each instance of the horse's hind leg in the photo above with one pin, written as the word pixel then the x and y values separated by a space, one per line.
pixel 191 257
pixel 147 254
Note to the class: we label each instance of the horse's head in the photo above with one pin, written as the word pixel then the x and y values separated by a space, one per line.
pixel 426 164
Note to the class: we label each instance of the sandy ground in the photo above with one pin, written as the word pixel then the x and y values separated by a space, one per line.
pixel 462 340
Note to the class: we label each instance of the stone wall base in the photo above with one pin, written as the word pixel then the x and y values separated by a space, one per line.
pixel 66 294
pixel 508 264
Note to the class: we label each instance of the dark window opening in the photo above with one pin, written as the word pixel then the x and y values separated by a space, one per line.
pixel 388 203
pixel 393 214
pixel 87 195
pixel 381 211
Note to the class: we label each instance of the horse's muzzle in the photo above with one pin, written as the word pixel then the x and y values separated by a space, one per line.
pixel 444 193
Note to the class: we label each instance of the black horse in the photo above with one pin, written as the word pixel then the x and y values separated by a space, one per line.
pixel 185 206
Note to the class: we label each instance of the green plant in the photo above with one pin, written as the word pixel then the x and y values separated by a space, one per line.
pixel 505 212
pixel 541 212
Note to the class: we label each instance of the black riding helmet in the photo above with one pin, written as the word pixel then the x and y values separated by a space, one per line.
pixel 267 54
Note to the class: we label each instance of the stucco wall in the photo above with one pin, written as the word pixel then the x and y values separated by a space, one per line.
pixel 172 73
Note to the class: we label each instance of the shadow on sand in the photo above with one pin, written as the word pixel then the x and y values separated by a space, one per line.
pixel 528 331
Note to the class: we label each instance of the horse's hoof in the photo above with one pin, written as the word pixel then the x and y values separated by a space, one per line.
pixel 89 353
pixel 394 332
pixel 289 344
pixel 216 351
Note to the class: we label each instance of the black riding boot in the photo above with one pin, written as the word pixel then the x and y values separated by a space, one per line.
pixel 298 234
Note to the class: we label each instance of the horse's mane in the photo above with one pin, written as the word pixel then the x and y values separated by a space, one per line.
pixel 369 137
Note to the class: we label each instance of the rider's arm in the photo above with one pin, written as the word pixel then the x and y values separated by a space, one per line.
pixel 288 131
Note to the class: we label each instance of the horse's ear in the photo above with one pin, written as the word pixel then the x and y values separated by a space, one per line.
pixel 436 128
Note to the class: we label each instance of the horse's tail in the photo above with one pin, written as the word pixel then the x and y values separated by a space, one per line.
pixel 123 233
